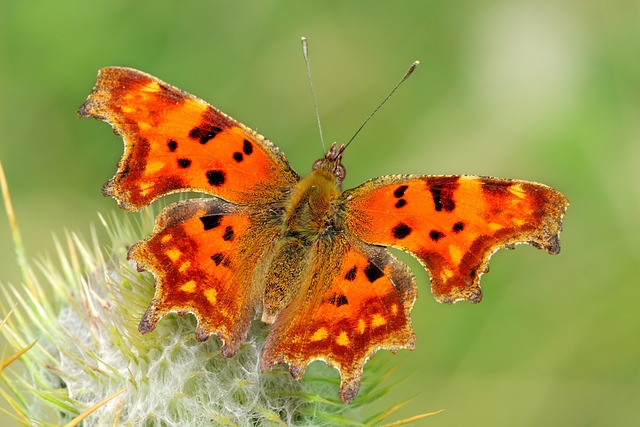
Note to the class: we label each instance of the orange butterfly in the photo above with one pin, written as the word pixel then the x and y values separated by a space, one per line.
pixel 303 254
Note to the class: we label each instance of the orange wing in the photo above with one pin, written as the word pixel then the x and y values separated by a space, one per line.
pixel 453 224
pixel 174 141
pixel 357 299
pixel 202 253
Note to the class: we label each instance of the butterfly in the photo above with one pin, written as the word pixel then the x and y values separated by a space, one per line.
pixel 302 254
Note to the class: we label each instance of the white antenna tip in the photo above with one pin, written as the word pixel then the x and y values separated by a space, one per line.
pixel 411 69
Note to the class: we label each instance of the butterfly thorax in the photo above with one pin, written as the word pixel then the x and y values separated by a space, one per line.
pixel 311 207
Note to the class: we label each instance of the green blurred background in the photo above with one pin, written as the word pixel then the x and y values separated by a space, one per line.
pixel 540 90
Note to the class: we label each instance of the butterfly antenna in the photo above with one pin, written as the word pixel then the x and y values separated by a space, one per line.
pixel 305 53
pixel 410 71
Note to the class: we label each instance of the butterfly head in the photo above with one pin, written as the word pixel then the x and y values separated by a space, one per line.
pixel 332 162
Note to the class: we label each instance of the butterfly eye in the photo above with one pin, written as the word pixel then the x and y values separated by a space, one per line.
pixel 340 172
pixel 317 164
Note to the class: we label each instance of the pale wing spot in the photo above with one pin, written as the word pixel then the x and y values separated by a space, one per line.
pixel 517 191
pixel 394 309
pixel 166 238
pixel 319 335
pixel 145 187
pixel 127 110
pixel 183 267
pixel 190 104
pixel 472 182
pixel 211 295
pixel 378 320
pixel 361 326
pixel 494 226
pixel 456 254
pixel 343 339
pixel 173 254
pixel 153 167
pixel 190 286
pixel 144 125
pixel 518 221
pixel 152 87
pixel 446 273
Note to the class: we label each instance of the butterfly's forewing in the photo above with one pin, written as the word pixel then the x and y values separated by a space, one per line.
pixel 453 224
pixel 174 141
pixel 356 299
pixel 202 253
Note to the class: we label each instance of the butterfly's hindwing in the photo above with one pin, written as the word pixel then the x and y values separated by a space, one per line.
pixel 204 265
pixel 355 299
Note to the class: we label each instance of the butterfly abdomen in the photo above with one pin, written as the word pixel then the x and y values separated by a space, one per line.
pixel 283 276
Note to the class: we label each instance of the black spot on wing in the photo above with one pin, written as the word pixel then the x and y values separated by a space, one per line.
pixel 247 147
pixel 372 272
pixel 400 203
pixel 238 157
pixel 442 190
pixel 401 230
pixel 399 192
pixel 172 145
pixel 210 221
pixel 458 227
pixel 338 300
pixel 436 235
pixel 216 177
pixel 204 133
pixel 351 274
pixel 184 163
pixel 228 235
pixel 217 258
